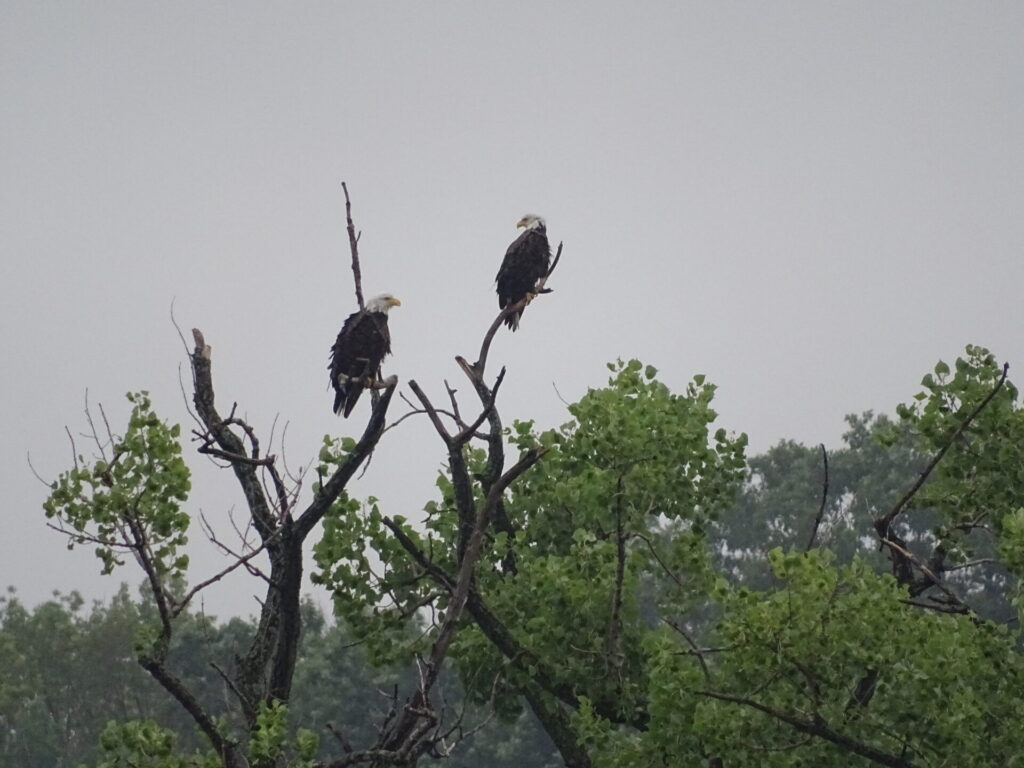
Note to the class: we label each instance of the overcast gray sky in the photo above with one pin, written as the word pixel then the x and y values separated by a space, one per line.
pixel 809 202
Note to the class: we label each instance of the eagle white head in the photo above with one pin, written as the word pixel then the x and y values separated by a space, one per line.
pixel 532 221
pixel 382 303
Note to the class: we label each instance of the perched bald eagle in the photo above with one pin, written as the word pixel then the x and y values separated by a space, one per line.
pixel 357 354
pixel 526 261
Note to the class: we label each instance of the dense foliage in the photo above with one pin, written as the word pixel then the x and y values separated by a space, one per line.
pixel 648 593
pixel 72 692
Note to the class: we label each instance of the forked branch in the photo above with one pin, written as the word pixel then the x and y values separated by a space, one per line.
pixel 904 562
pixel 230 444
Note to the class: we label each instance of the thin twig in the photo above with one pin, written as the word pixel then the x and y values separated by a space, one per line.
pixel 972 564
pixel 106 424
pixel 240 558
pixel 81 537
pixel 470 429
pixel 696 648
pixel 74 450
pixel 353 244
pixel 240 561
pixel 31 466
pixel 455 404
pixel 431 412
pixel 661 562
pixel 246 704
pixel 92 428
pixel 181 334
pixel 554 263
pixel 422 412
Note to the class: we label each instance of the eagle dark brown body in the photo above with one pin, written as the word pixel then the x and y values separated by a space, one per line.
pixel 526 261
pixel 357 353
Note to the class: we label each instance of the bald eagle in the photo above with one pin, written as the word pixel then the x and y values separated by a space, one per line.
pixel 526 261
pixel 356 356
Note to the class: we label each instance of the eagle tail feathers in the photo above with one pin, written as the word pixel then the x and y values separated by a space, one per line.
pixel 351 404
pixel 339 401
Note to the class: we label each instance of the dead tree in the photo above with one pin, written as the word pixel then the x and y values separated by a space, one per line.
pixel 263 673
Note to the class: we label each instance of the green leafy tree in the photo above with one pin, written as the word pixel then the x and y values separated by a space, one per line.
pixel 840 664
pixel 809 668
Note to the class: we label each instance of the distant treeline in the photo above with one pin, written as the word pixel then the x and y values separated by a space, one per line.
pixel 67 669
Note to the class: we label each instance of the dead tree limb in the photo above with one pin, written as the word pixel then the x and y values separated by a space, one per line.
pixel 824 499
pixel 904 562
pixel 353 245
pixel 265 672
pixel 330 490
pixel 511 309
pixel 883 523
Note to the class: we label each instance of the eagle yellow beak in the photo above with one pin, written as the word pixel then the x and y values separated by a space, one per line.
pixel 394 302
pixel 521 223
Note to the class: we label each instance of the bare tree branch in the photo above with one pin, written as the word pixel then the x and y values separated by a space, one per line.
pixel 432 412
pixel 661 562
pixel 353 245
pixel 883 523
pixel 330 490
pixel 556 721
pixel 933 579
pixel 972 564
pixel 92 428
pixel 824 499
pixel 246 704
pixel 240 561
pixel 470 430
pixel 74 450
pixel 225 748
pixel 696 649
pixel 481 361
pixel 227 441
